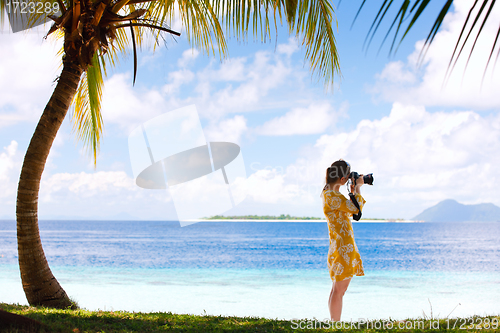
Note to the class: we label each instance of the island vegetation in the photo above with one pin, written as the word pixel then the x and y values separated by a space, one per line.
pixel 285 218
pixel 261 217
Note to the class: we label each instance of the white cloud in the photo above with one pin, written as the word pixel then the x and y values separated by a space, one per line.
pixel 84 185
pixel 271 186
pixel 290 48
pixel 297 184
pixel 396 72
pixel 232 69
pixel 235 86
pixel 7 161
pixel 241 84
pixel 229 130
pixel 26 81
pixel 405 83
pixel 127 106
pixel 418 158
pixel 188 57
pixel 99 195
pixel 248 84
pixel 312 120
pixel 177 80
pixel 10 163
pixel 81 194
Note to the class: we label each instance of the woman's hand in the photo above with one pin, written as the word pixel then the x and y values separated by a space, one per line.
pixel 357 189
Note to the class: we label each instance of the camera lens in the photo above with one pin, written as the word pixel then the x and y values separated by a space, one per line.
pixel 368 179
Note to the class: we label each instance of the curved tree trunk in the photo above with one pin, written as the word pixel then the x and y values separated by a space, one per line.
pixel 39 284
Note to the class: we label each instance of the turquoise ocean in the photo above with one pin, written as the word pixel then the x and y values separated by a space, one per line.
pixel 265 269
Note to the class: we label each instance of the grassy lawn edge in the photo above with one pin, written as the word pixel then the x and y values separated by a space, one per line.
pixel 81 320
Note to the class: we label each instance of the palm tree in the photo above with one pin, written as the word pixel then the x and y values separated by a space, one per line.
pixel 94 33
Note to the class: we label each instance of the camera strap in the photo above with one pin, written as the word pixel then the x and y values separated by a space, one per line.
pixel 355 202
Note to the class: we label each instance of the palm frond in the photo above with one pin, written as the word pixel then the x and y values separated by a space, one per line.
pixel 138 32
pixel 314 23
pixel 238 15
pixel 134 47
pixel 461 34
pixel 378 19
pixel 434 29
pixel 357 14
pixel 417 8
pixel 479 32
pixel 3 10
pixel 491 54
pixel 198 18
pixel 59 34
pixel 86 117
pixel 119 46
pixel 311 21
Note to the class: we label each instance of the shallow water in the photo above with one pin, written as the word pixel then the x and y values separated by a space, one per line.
pixel 274 270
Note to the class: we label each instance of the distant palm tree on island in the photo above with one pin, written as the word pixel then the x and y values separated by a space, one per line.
pixel 94 33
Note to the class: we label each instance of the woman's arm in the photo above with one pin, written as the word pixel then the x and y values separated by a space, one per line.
pixel 356 190
pixel 359 182
pixel 348 207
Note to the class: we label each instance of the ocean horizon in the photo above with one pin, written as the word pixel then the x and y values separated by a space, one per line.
pixel 265 269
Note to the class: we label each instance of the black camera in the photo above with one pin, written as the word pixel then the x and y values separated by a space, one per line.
pixel 368 179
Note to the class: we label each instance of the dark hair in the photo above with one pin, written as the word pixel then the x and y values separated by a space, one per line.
pixel 337 170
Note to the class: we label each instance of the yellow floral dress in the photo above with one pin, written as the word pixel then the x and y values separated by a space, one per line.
pixel 344 260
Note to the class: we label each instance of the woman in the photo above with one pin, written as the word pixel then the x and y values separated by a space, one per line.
pixel 344 260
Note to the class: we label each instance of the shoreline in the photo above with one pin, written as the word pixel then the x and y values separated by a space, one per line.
pixel 323 220
pixel 232 220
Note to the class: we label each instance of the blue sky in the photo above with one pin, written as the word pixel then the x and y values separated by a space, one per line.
pixel 423 143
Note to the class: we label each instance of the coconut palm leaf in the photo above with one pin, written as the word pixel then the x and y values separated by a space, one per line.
pixel 2 12
pixel 357 14
pixel 311 21
pixel 491 54
pixel 314 23
pixel 378 19
pixel 400 15
pixel 198 18
pixel 87 117
pixel 134 47
pixel 477 36
pixel 417 8
pixel 434 29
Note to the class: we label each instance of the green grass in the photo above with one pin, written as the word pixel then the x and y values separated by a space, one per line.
pixel 118 321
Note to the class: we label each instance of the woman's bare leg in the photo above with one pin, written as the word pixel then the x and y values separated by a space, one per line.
pixel 335 301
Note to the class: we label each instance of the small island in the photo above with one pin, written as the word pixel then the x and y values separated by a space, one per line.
pixel 288 217
pixel 261 217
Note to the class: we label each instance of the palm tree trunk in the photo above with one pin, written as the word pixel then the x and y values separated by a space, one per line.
pixel 39 284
